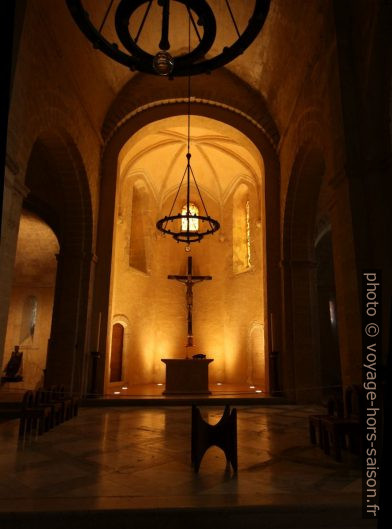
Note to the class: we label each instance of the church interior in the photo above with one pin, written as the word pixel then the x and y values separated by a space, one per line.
pixel 290 152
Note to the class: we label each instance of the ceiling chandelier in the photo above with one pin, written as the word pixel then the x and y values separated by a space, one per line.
pixel 129 28
pixel 185 225
pixel 188 226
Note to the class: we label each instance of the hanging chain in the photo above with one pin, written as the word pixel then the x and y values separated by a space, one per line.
pixel 106 16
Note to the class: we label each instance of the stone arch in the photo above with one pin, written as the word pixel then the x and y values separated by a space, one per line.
pixel 59 193
pixel 223 88
pixel 117 353
pixel 51 108
pixel 121 124
pixel 123 320
pixel 300 292
pixel 31 302
pixel 55 108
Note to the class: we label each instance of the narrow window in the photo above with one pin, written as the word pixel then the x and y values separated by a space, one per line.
pixel 247 211
pixel 29 319
pixel 241 230
pixel 137 247
pixel 193 223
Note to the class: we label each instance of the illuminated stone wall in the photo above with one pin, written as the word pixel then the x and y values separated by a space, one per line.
pixel 155 306
pixel 34 278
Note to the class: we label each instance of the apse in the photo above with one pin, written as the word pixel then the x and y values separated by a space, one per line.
pixel 148 314
pixel 30 314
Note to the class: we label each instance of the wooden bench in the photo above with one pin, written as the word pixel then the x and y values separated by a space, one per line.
pixel 35 414
pixel 70 404
pixel 336 430
pixel 334 409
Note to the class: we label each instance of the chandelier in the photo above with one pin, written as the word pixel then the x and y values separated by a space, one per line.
pixel 185 226
pixel 128 28
pixel 188 226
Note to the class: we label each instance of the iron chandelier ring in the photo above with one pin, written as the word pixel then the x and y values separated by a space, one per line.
pixel 206 20
pixel 187 235
pixel 184 65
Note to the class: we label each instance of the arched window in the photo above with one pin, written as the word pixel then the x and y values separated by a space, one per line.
pixel 241 230
pixel 193 223
pixel 116 356
pixel 29 318
pixel 137 247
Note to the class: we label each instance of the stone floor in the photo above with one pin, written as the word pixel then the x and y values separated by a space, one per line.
pixel 139 458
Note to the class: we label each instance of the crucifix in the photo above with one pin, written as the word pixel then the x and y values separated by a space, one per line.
pixel 189 280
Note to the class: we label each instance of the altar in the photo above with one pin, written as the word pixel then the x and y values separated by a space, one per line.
pixel 186 375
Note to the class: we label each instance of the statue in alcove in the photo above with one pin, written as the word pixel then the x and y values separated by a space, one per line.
pixel 13 369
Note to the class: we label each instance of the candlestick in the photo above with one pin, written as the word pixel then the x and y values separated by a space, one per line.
pixel 99 331
pixel 272 332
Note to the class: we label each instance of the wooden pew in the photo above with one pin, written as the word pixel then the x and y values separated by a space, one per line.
pixel 68 403
pixel 335 408
pixel 35 415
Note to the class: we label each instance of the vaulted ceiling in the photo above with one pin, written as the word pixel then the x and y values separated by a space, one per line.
pixel 35 261
pixel 220 156
pixel 275 64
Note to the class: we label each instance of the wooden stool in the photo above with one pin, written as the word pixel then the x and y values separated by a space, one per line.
pixel 223 434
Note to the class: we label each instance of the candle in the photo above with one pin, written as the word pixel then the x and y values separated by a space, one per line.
pixel 272 332
pixel 99 331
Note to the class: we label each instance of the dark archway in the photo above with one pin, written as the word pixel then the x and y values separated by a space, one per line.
pixel 116 356
pixel 60 195
pixel 301 356
pixel 330 368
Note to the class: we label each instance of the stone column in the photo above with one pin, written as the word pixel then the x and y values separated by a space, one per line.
pixel 14 193
pixel 67 359
pixel 346 283
pixel 305 339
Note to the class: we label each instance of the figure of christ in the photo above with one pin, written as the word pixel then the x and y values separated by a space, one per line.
pixel 189 280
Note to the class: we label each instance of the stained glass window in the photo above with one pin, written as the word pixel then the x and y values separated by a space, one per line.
pixel 29 318
pixel 247 233
pixel 242 254
pixel 193 223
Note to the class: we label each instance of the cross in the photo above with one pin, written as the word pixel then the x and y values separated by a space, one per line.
pixel 189 280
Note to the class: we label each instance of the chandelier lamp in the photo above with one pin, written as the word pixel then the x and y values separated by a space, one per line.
pixel 124 19
pixel 188 226
pixel 184 227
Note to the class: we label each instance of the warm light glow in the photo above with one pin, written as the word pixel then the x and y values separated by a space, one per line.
pixel 332 313
pixel 157 328
pixel 252 387
pixel 193 223
pixel 259 391
pixel 159 384
pixel 247 233
pixel 117 392
pixel 124 387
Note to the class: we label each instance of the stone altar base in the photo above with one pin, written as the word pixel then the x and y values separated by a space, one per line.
pixel 186 376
